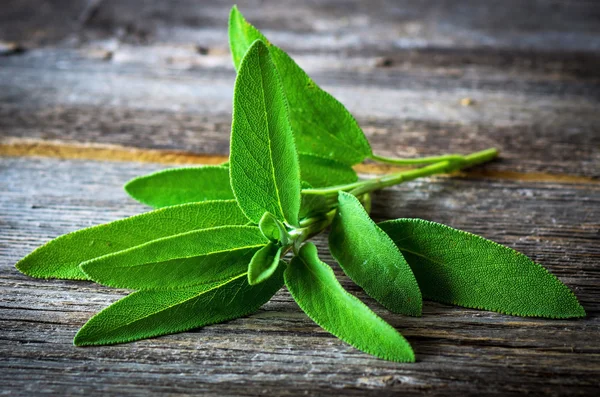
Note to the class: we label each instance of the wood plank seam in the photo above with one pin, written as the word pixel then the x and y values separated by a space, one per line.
pixel 18 147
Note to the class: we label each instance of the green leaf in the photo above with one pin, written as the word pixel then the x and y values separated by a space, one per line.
pixel 371 259
pixel 181 185
pixel 264 263
pixel 194 184
pixel 314 286
pixel 192 258
pixel 321 124
pixel 264 169
pixel 145 314
pixel 322 172
pixel 456 267
pixel 274 230
pixel 60 258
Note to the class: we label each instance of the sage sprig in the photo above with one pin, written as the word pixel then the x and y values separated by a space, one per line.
pixel 216 247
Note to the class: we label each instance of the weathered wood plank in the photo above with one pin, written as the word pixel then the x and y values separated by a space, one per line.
pixel 169 85
pixel 155 75
pixel 152 106
pixel 330 24
pixel 279 350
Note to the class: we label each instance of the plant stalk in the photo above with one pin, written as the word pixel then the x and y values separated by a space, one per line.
pixel 310 227
pixel 444 166
pixel 433 169
pixel 418 161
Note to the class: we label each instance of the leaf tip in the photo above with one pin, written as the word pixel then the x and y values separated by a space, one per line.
pixel 579 311
pixel 80 339
pixel 20 266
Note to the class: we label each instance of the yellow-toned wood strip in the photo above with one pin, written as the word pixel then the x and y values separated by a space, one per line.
pixel 16 147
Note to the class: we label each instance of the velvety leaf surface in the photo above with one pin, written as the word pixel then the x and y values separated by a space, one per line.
pixel 263 163
pixel 321 124
pixel 60 258
pixel 314 204
pixel 145 314
pixel 192 258
pixel 456 267
pixel 264 263
pixel 321 172
pixel 181 185
pixel 371 259
pixel 314 286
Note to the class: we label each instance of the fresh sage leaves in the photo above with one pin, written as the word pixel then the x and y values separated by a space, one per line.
pixel 217 246
pixel 181 185
pixel 149 313
pixel 61 257
pixel 463 269
pixel 371 259
pixel 263 164
pixel 321 124
pixel 316 290
pixel 196 257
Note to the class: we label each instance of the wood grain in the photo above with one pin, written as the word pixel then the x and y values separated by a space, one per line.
pixel 103 91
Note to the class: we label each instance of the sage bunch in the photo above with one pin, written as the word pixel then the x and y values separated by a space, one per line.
pixel 224 239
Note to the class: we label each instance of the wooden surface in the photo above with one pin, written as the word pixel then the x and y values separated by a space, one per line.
pixel 93 93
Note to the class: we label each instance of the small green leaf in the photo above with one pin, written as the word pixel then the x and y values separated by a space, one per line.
pixel 181 185
pixel 371 259
pixel 264 169
pixel 456 267
pixel 322 172
pixel 145 314
pixel 60 258
pixel 321 124
pixel 191 258
pixel 274 230
pixel 314 286
pixel 264 263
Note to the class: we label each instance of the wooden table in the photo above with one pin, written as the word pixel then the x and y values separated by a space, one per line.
pixel 93 93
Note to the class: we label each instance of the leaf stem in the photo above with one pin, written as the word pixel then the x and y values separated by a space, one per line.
pixel 444 166
pixel 436 168
pixel 417 161
pixel 310 227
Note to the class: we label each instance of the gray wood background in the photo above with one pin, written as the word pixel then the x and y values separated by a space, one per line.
pixel 93 93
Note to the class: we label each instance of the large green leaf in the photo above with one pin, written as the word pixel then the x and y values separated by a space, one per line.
pixel 322 172
pixel 456 267
pixel 321 124
pixel 263 163
pixel 371 259
pixel 192 258
pixel 60 258
pixel 181 185
pixel 145 314
pixel 314 286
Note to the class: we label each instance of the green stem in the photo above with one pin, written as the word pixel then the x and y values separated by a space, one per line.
pixel 311 227
pixel 437 168
pixel 444 166
pixel 315 225
pixel 417 161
